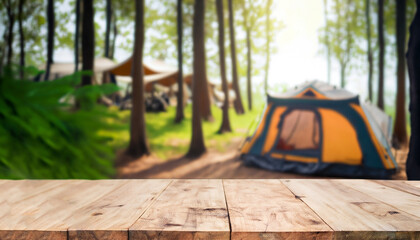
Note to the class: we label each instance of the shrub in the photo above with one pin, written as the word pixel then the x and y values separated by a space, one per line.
pixel 42 135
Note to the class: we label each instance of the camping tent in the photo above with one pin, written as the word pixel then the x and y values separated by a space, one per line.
pixel 322 130
pixel 155 71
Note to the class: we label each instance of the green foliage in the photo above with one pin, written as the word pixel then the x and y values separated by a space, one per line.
pixel 168 139
pixel 43 136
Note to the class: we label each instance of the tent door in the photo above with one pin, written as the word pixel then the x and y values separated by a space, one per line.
pixel 299 134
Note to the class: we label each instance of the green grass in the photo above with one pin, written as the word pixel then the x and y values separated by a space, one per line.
pixel 168 139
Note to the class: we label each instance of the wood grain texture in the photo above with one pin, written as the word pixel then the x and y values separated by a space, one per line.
pixel 196 209
pixel 414 183
pixel 400 200
pixel 351 213
pixel 266 209
pixel 401 185
pixel 187 209
pixel 47 215
pixel 110 216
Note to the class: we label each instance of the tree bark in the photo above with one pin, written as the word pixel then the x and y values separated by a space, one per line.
pixel 239 108
pixel 22 38
pixel 381 62
pixel 114 38
pixel 400 130
pixel 225 126
pixel 77 37
pixel 267 45
pixel 413 61
pixel 50 38
pixel 249 68
pixel 108 28
pixel 138 142
pixel 10 35
pixel 369 51
pixel 180 97
pixel 88 40
pixel 197 146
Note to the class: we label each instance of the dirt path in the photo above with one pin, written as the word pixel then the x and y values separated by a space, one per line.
pixel 213 164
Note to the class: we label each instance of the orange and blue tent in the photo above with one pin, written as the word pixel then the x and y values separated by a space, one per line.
pixel 319 129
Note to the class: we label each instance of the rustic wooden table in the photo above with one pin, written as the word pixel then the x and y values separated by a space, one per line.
pixel 209 209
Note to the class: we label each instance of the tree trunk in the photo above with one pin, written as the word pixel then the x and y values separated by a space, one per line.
pixel 50 38
pixel 10 35
pixel 77 37
pixel 267 45
pixel 327 42
pixel 197 146
pixel 342 75
pixel 400 130
pixel 108 28
pixel 22 38
pixel 114 38
pixel 180 97
pixel 249 68
pixel 381 62
pixel 88 40
pixel 239 108
pixel 138 142
pixel 225 126
pixel 413 61
pixel 3 50
pixel 369 51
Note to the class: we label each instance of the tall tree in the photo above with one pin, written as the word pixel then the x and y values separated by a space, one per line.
pixel 344 32
pixel 327 42
pixel 76 36
pixel 413 61
pixel 267 43
pixel 225 126
pixel 239 108
pixel 400 130
pixel 197 146
pixel 369 49
pixel 381 62
pixel 50 37
pixel 10 35
pixel 88 40
pixel 180 97
pixel 249 67
pixel 22 37
pixel 108 28
pixel 138 141
pixel 248 24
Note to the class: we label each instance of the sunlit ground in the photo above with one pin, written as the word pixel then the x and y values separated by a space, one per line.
pixel 168 139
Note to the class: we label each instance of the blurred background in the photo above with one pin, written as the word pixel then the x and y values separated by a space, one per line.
pixel 67 91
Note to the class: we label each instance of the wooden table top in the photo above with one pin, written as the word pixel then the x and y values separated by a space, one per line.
pixel 209 209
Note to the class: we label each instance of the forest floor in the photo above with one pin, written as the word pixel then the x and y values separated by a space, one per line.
pixel 169 141
pixel 213 164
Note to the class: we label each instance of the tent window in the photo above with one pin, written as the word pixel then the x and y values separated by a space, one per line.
pixel 300 131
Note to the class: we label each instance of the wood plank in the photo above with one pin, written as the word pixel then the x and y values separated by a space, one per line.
pixel 352 214
pixel 400 200
pixel 112 215
pixel 400 185
pixel 266 209
pixel 414 183
pixel 187 209
pixel 48 214
pixel 13 191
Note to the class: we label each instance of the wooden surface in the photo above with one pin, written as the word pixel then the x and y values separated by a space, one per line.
pixel 209 209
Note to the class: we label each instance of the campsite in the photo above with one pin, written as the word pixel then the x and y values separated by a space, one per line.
pixel 209 119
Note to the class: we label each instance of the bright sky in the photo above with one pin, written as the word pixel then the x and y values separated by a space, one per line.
pixel 298 58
